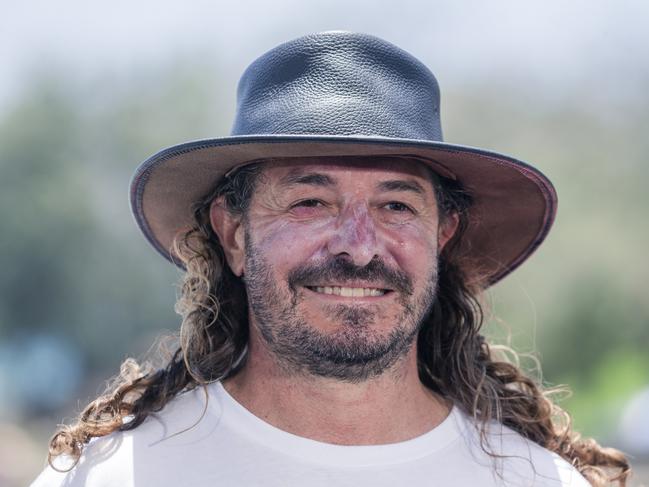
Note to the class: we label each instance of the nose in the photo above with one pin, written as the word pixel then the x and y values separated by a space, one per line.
pixel 355 236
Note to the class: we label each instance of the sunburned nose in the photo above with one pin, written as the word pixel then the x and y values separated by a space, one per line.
pixel 355 236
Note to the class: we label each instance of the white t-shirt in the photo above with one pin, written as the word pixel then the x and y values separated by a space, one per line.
pixel 230 446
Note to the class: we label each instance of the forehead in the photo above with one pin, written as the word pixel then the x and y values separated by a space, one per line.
pixel 357 170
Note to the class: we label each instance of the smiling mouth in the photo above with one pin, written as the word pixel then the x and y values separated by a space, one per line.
pixel 350 292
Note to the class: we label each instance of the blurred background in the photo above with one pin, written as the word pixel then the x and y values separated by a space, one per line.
pixel 89 90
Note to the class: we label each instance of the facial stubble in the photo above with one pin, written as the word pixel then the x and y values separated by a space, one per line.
pixel 356 351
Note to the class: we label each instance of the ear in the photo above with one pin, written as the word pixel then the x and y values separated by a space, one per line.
pixel 229 228
pixel 447 227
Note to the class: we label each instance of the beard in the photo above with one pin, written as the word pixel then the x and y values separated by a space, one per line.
pixel 356 351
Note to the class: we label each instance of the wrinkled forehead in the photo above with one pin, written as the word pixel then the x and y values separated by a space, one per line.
pixel 284 171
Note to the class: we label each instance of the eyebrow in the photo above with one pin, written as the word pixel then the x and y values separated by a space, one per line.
pixel 313 179
pixel 401 185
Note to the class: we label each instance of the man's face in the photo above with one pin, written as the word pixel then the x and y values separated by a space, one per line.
pixel 340 263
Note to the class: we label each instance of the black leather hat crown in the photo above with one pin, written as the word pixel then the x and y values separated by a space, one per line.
pixel 338 94
pixel 339 84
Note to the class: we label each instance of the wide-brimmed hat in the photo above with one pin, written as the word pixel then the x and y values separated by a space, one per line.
pixel 338 94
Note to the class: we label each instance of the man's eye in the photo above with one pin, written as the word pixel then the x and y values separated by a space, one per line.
pixel 398 207
pixel 308 204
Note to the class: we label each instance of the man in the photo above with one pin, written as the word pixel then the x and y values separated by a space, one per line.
pixel 335 250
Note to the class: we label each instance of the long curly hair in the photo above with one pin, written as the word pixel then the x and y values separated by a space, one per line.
pixel 454 358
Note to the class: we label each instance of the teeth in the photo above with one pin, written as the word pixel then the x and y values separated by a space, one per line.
pixel 350 292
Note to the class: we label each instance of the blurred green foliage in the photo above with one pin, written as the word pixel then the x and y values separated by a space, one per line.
pixel 74 265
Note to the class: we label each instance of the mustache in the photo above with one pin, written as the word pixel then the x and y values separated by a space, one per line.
pixel 376 272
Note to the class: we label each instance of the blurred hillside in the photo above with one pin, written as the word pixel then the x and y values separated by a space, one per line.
pixel 81 290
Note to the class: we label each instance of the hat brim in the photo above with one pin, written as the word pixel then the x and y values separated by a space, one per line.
pixel 514 204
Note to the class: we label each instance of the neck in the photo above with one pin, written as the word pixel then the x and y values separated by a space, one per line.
pixel 390 408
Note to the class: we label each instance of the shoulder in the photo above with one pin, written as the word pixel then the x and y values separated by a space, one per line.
pixel 517 460
pixel 109 461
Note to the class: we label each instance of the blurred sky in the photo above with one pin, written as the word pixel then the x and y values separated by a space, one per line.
pixel 559 46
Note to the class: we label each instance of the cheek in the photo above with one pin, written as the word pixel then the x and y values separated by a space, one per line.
pixel 287 244
pixel 414 248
